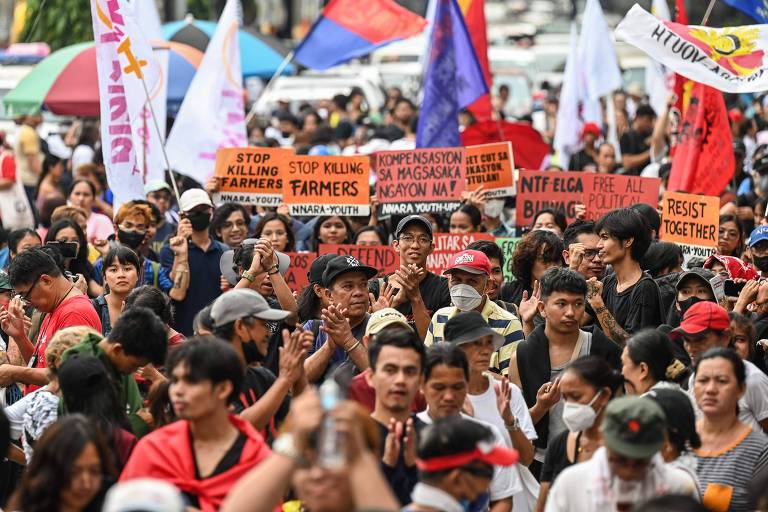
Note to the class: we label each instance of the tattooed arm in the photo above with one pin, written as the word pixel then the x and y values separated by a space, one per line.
pixel 608 324
pixel 180 269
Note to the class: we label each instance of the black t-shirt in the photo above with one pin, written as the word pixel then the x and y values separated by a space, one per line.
pixel 227 462
pixel 255 384
pixel 556 459
pixel 580 161
pixel 402 479
pixel 434 292
pixel 637 307
pixel 633 143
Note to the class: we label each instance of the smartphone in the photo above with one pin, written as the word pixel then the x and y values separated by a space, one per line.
pixel 732 288
pixel 66 249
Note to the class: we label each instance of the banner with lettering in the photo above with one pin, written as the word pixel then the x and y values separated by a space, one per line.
pixel 126 66
pixel 599 193
pixel 382 257
pixel 250 175
pixel 491 166
pixel 296 275
pixel 420 180
pixel 691 221
pixel 447 245
pixel 326 185
pixel 508 246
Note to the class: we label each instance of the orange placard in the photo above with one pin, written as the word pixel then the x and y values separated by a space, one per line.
pixel 382 257
pixel 296 275
pixel 326 185
pixel 690 219
pixel 250 175
pixel 490 166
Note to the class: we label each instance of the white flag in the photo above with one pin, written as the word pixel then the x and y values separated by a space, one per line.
pixel 212 113
pixel 568 127
pixel 124 59
pixel 599 68
pixel 658 79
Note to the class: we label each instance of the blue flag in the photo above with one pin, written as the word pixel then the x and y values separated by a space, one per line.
pixel 454 79
pixel 757 9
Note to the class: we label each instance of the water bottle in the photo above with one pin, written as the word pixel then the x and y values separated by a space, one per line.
pixel 330 442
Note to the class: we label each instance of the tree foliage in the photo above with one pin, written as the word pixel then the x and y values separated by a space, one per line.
pixel 58 22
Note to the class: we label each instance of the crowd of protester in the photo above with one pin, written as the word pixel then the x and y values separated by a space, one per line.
pixel 156 358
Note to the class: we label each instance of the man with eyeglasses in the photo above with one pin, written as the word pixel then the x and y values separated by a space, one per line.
pixel 38 281
pixel 581 253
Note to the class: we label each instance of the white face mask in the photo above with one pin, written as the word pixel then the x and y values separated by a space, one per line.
pixel 578 417
pixel 465 297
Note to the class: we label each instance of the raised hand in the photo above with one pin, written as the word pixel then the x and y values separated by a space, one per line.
pixel 530 305
pixel 292 355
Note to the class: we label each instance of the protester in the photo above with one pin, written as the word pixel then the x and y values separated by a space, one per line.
pixel 581 253
pixel 692 286
pixel 466 219
pixel 744 340
pixel 635 144
pixel 720 380
pixel 758 249
pixel 161 305
pixel 120 273
pixel 331 230
pixel 230 224
pixel 496 258
pixel 82 193
pixel 20 240
pixel 278 229
pixel 534 254
pixel 584 160
pixel 76 262
pixel 549 220
pixel 646 362
pixel 730 239
pixel 313 299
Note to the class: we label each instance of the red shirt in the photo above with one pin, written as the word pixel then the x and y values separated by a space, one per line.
pixel 365 395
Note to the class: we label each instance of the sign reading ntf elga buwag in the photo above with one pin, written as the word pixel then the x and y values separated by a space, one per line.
pixel 250 175
pixel 491 166
pixel 326 185
pixel 419 180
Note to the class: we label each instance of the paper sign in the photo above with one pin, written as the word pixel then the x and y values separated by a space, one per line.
pixel 447 245
pixel 690 219
pixel 419 180
pixel 599 193
pixel 250 175
pixel 382 257
pixel 508 246
pixel 296 275
pixel 695 251
pixel 326 185
pixel 490 166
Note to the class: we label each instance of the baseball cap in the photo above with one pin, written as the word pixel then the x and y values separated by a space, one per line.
pixel 736 267
pixel 343 264
pixel 243 303
pixel 227 262
pixel 700 318
pixel 474 262
pixel 316 269
pixel 384 318
pixel 758 234
pixel 155 185
pixel 145 495
pixel 5 281
pixel 699 273
pixel 590 128
pixel 194 197
pixel 82 372
pixel 411 219
pixel 678 410
pixel 634 427
pixel 469 326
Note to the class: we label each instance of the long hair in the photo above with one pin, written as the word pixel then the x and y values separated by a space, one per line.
pixel 80 264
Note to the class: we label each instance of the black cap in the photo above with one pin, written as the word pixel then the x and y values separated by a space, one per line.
pixel 316 269
pixel 81 373
pixel 413 218
pixel 470 326
pixel 343 264
pixel 678 410
pixel 702 274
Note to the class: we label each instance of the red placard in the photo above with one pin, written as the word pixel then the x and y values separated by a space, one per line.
pixel 447 245
pixel 382 257
pixel 296 275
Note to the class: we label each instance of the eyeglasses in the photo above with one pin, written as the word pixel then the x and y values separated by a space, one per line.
pixel 25 296
pixel 410 239
pixel 591 254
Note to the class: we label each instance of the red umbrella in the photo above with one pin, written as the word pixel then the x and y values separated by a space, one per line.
pixel 528 146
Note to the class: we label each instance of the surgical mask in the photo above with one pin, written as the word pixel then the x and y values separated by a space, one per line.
pixel 493 208
pixel 578 417
pixel 251 352
pixel 465 297
pixel 131 239
pixel 199 220
pixel 686 304
pixel 761 262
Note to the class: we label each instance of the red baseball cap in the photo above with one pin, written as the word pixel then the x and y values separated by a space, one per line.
pixel 735 115
pixel 484 452
pixel 590 128
pixel 474 262
pixel 702 317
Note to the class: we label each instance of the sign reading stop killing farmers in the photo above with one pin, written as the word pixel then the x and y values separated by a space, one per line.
pixel 326 185
pixel 250 175
pixel 490 166
pixel 691 221
pixel 419 180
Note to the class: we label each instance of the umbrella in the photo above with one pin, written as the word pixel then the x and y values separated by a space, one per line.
pixel 66 82
pixel 528 147
pixel 259 55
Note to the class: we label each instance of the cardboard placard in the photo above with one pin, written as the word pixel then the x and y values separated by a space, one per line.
pixel 695 251
pixel 690 219
pixel 327 185
pixel 507 246
pixel 250 175
pixel 490 166
pixel 419 180
pixel 382 257
pixel 599 193
pixel 296 275
pixel 447 245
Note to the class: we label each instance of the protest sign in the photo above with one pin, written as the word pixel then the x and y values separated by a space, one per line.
pixel 419 180
pixel 695 251
pixel 382 257
pixel 326 185
pixel 690 219
pixel 296 275
pixel 490 166
pixel 447 245
pixel 507 246
pixel 250 175
pixel 599 193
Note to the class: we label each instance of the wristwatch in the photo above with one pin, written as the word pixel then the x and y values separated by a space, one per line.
pixel 514 427
pixel 285 445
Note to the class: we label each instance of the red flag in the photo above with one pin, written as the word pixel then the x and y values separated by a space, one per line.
pixel 703 162
pixel 528 146
pixel 474 17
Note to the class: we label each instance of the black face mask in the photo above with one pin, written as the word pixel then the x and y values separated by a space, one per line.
pixel 131 239
pixel 761 262
pixel 687 303
pixel 251 352
pixel 200 220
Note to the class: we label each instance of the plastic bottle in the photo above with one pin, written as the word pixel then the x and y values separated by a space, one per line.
pixel 330 442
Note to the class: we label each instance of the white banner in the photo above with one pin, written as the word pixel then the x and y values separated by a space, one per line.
pixel 123 58
pixel 731 59
pixel 212 115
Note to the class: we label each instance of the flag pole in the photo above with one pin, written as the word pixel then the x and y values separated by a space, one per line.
pixel 279 71
pixel 708 12
pixel 160 135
